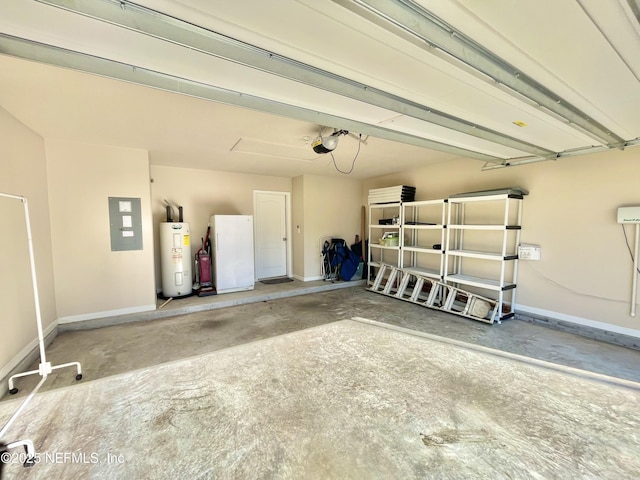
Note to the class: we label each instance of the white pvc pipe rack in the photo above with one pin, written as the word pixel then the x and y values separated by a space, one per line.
pixel 45 367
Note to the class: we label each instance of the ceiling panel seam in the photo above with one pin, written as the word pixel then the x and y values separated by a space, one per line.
pixel 634 5
pixel 143 20
pixel 39 52
pixel 433 31
pixel 608 40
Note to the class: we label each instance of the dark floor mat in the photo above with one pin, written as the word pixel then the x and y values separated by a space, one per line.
pixel 272 281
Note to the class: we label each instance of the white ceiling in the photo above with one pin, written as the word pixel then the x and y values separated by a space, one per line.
pixel 583 51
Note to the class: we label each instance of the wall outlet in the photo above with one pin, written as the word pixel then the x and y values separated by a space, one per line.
pixel 527 251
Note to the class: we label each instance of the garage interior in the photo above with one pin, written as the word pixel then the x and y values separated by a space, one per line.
pixel 208 104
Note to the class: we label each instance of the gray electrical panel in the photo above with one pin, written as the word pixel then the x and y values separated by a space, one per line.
pixel 125 219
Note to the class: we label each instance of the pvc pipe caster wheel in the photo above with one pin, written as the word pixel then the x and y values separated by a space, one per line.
pixel 3 457
pixel 13 391
pixel 79 376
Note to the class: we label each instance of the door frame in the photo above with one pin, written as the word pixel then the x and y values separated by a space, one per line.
pixel 288 243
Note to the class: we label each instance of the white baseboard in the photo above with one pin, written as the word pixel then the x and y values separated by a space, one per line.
pixel 308 279
pixel 578 320
pixel 15 361
pixel 108 313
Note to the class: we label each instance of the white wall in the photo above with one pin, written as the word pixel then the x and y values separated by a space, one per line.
pixel 203 193
pixel 23 171
pixel 585 272
pixel 91 280
pixel 331 207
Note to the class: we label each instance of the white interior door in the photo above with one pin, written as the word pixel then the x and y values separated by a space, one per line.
pixel 271 234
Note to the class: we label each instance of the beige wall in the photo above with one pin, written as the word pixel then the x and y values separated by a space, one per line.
pixel 203 193
pixel 584 275
pixel 297 220
pixel 23 171
pixel 91 280
pixel 321 206
pixel 331 207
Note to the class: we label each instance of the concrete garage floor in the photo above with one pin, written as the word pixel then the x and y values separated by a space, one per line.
pixel 291 365
pixel 120 348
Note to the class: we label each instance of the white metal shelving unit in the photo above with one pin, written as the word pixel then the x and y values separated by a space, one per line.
pixel 483 233
pixel 377 253
pixel 423 228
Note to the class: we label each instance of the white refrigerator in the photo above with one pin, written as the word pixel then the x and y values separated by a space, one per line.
pixel 232 251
